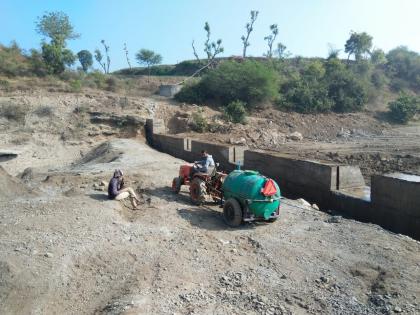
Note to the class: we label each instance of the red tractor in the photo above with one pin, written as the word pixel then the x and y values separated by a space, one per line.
pixel 202 185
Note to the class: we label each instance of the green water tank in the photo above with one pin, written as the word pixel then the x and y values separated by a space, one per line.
pixel 246 187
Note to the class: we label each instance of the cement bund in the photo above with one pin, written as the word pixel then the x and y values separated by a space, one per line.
pixel 169 90
pixel 393 203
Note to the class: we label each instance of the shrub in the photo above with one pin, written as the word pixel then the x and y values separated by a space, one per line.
pixel 192 94
pixel 16 112
pixel 404 108
pixel 199 123
pixel 347 92
pixel 81 109
pixel 12 61
pixel 379 79
pixel 251 82
pixel 399 85
pixel 44 111
pixel 75 86
pixel 4 85
pixel 235 112
pixel 111 84
pixel 308 92
pixel 98 78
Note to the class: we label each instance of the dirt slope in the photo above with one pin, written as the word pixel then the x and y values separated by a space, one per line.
pixel 72 251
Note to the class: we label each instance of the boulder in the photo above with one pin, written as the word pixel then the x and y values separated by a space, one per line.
pixel 295 136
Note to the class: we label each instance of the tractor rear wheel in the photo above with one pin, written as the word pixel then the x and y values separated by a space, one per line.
pixel 176 185
pixel 232 212
pixel 198 191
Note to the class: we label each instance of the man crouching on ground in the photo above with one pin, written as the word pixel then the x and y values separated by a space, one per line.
pixel 117 191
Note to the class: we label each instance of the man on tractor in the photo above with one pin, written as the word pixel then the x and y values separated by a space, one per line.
pixel 203 165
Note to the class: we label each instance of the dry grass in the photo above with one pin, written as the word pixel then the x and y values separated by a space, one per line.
pixel 14 112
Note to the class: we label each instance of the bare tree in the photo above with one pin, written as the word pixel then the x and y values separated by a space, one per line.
pixel 212 49
pixel 249 28
pixel 98 57
pixel 195 52
pixel 281 51
pixel 108 59
pixel 126 55
pixel 270 40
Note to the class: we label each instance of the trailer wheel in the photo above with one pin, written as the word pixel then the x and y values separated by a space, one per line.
pixel 232 212
pixel 198 191
pixel 176 185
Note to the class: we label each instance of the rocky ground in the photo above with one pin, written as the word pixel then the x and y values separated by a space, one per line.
pixel 66 249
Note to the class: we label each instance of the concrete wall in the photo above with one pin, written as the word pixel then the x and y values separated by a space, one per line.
pixel 169 90
pixel 306 179
pixel 394 202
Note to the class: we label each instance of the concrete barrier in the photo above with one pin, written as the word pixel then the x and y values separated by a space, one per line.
pixel 305 179
pixel 393 203
pixel 397 191
pixel 169 90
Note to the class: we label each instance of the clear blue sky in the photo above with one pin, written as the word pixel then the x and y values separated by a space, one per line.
pixel 168 27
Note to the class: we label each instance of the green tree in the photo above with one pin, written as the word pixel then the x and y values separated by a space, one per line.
pixel 56 58
pixel 249 28
pixel 378 57
pixel 359 44
pixel 85 59
pixel 404 64
pixel 56 26
pixel 148 58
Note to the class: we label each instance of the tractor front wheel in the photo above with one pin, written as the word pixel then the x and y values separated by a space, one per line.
pixel 232 212
pixel 198 191
pixel 176 185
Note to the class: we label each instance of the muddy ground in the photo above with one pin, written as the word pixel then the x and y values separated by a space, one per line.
pixel 66 249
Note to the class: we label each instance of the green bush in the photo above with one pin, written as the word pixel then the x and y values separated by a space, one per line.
pixel 379 78
pixel 192 94
pixel 404 108
pixel 347 92
pixel 199 123
pixel 12 61
pixel 235 112
pixel 4 85
pixel 308 92
pixel 75 86
pixel 95 79
pixel 251 82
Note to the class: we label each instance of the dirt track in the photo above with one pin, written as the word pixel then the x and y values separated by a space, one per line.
pixel 69 250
